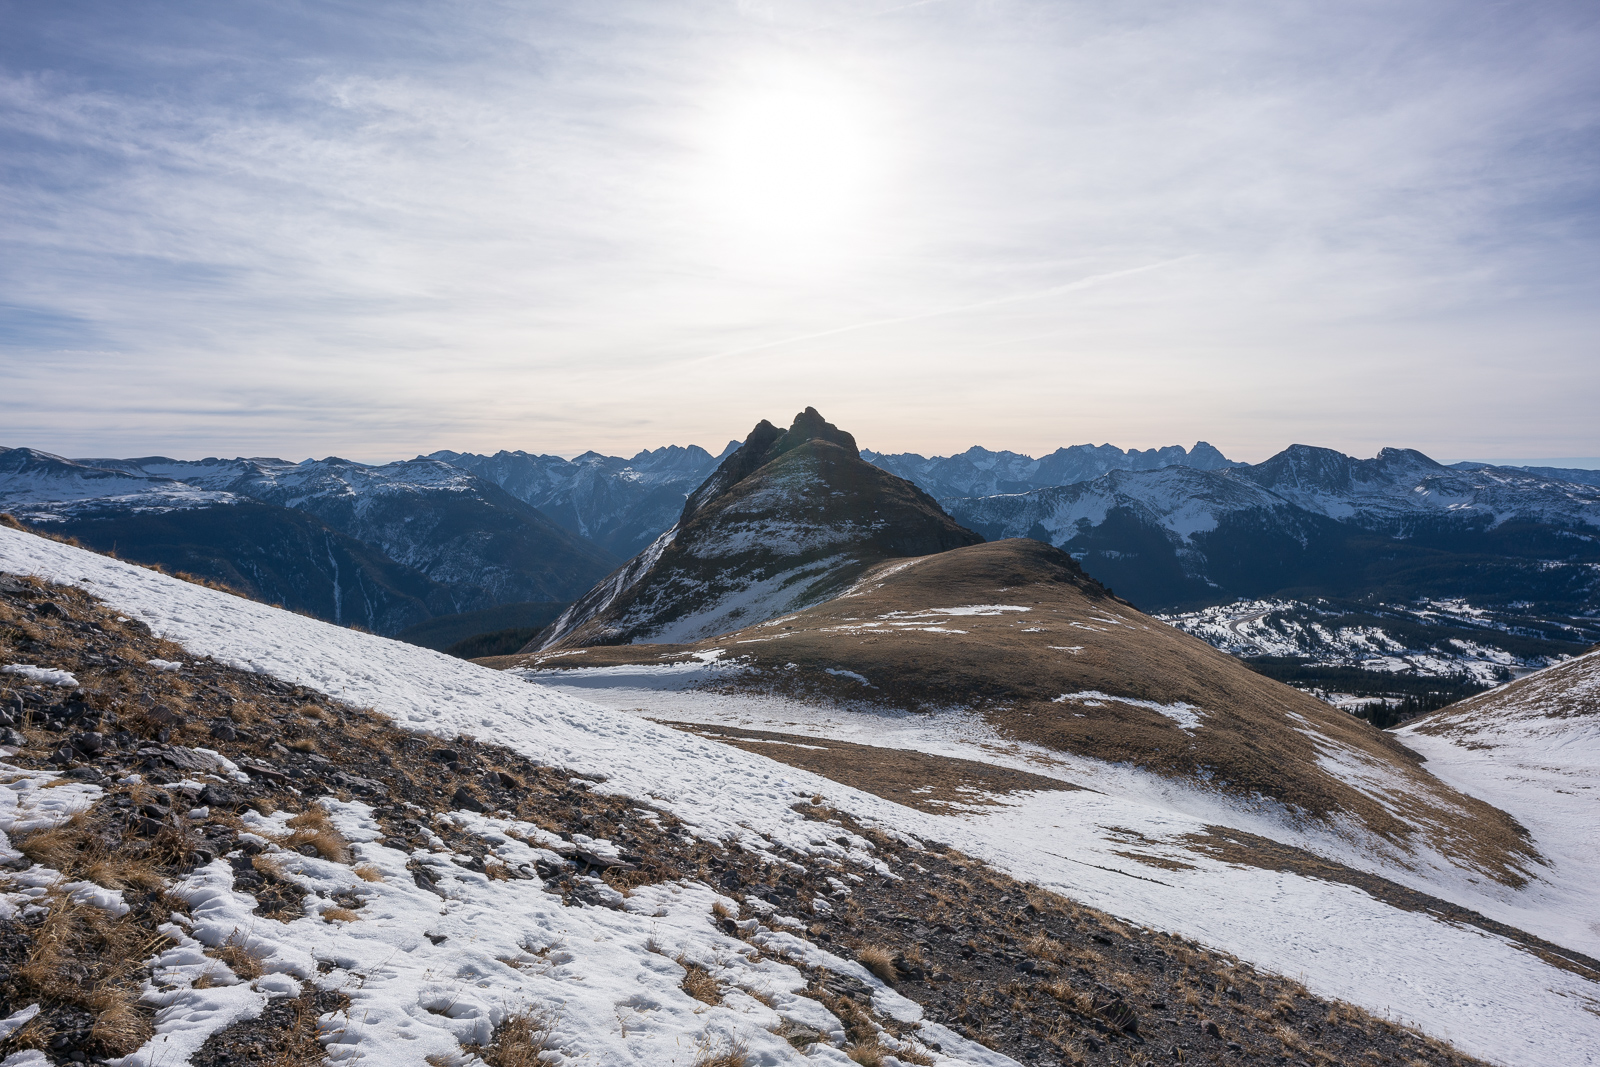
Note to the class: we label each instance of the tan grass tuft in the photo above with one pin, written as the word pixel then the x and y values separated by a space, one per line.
pixel 878 960
pixel 240 960
pixel 520 1040
pixel 1044 948
pixel 313 827
pixel 343 915
pixel 368 873
pixel 87 958
pixel 698 983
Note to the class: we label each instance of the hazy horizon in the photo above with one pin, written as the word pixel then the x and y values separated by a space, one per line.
pixel 1571 462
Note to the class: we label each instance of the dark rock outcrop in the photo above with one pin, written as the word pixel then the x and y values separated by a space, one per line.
pixel 789 519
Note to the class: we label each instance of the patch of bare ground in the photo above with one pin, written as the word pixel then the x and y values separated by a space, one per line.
pixel 1059 662
pixel 937 784
pixel 1045 980
pixel 286 1034
pixel 1027 973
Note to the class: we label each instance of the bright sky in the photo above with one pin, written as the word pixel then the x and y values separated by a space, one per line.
pixel 377 229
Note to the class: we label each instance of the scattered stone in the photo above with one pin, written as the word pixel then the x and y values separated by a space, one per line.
pixel 803 1037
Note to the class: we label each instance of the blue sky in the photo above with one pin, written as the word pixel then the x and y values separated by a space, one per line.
pixel 379 229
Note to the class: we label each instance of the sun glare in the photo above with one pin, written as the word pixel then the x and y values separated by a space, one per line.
pixel 793 161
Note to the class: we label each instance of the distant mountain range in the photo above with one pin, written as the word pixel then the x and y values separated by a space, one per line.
pixel 980 472
pixel 1315 522
pixel 395 545
pixel 383 547
pixel 620 504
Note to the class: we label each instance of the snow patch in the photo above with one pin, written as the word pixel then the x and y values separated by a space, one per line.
pixel 1187 716
pixel 43 675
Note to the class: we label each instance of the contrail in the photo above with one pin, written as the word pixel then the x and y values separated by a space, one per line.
pixel 1039 294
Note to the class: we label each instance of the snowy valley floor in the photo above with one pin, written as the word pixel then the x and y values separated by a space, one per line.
pixel 431 969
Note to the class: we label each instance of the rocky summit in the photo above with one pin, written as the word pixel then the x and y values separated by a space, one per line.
pixel 790 519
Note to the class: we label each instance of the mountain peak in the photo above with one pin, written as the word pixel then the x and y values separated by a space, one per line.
pixel 790 518
pixel 809 425
pixel 764 444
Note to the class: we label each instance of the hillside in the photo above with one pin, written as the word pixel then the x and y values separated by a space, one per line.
pixel 789 519
pixel 1533 749
pixel 1017 633
pixel 407 859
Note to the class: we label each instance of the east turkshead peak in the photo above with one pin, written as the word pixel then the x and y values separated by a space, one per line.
pixel 789 519
pixel 764 444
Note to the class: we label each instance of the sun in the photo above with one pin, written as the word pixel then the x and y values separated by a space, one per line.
pixel 793 164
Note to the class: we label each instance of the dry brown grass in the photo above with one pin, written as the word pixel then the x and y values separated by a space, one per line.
pixel 1082 1003
pixel 868 1053
pixel 520 1040
pixel 301 1045
pixel 368 873
pixel 1042 947
pixel 59 846
pixel 1290 1037
pixel 303 744
pixel 698 983
pixel 240 960
pixel 879 960
pixel 313 827
pixel 721 910
pixel 84 957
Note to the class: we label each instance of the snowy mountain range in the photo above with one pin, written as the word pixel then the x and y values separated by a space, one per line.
pixel 620 504
pixel 381 546
pixel 980 472
pixel 1172 529
pixel 1410 656
pixel 1315 521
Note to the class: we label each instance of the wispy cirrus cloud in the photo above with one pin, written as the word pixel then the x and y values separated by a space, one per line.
pixel 379 229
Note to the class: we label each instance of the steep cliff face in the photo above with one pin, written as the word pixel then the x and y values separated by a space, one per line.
pixel 789 519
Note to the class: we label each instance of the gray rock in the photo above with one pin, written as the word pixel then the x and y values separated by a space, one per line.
pixel 802 1037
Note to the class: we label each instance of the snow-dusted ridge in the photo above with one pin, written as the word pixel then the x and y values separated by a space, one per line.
pixel 1476 990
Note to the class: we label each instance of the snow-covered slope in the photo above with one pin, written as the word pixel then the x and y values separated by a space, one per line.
pixel 1533 748
pixel 1478 990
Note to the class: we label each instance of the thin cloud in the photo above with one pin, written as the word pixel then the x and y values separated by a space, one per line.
pixel 1015 298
